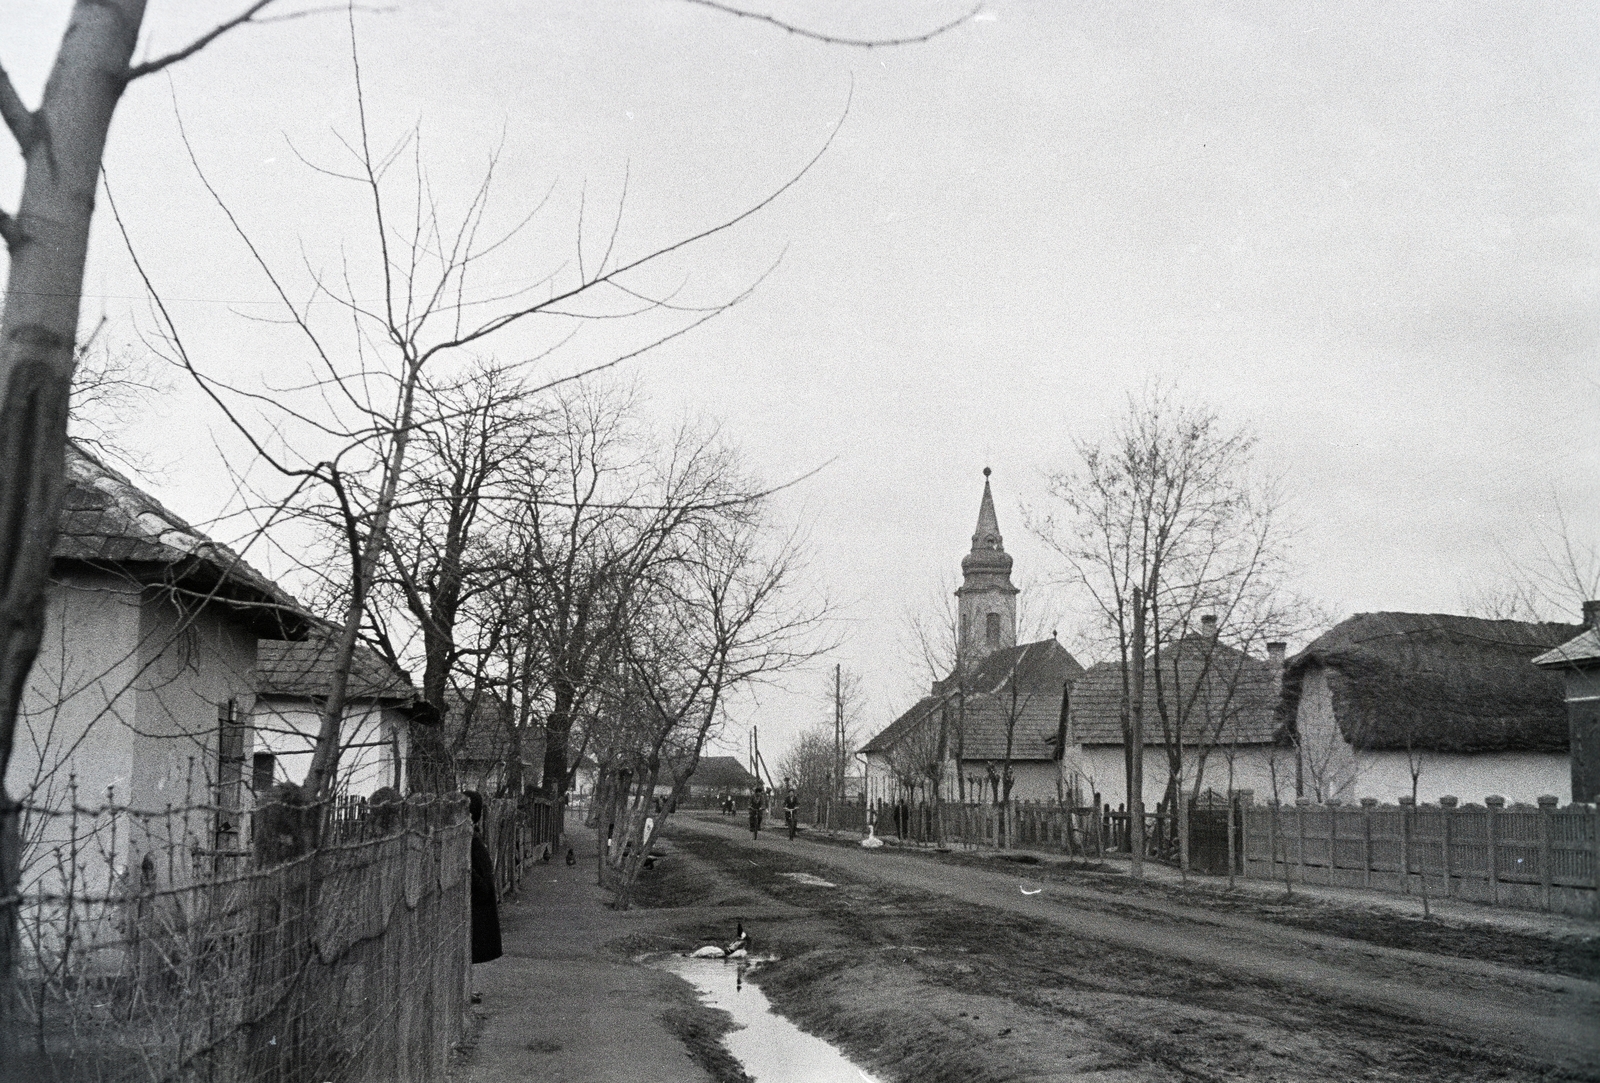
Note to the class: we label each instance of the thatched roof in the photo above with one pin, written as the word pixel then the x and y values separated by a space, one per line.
pixel 108 522
pixel 1437 682
pixel 1218 694
pixel 305 669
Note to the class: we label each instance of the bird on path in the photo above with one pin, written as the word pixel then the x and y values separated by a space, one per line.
pixel 572 858
pixel 739 949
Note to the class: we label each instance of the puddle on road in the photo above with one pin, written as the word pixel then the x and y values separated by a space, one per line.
pixel 772 1049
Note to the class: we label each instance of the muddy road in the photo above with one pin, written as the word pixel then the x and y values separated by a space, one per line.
pixel 929 970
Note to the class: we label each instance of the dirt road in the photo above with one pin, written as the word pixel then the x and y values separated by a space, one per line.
pixel 928 970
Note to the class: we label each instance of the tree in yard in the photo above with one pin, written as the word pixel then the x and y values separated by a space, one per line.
pixel 722 614
pixel 62 141
pixel 1558 570
pixel 1163 524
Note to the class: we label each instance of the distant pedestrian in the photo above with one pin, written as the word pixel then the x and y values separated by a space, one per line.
pixel 485 894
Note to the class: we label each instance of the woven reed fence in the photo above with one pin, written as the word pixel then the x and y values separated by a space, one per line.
pixel 1546 858
pixel 156 950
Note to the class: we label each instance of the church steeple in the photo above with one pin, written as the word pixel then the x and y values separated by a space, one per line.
pixel 988 601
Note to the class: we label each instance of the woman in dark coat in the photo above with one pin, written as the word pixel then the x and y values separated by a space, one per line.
pixel 485 896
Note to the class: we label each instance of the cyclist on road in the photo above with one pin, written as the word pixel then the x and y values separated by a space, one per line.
pixel 758 806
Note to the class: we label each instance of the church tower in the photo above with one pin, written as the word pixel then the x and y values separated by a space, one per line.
pixel 987 603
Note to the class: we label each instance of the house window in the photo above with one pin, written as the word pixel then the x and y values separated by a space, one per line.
pixel 263 766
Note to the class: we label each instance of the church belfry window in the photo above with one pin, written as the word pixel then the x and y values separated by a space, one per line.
pixel 992 629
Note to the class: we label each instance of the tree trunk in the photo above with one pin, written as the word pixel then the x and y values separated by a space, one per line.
pixel 62 145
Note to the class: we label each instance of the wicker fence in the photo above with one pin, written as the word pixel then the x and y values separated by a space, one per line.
pixel 1545 857
pixel 151 953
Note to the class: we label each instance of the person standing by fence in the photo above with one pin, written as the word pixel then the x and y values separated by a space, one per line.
pixel 485 895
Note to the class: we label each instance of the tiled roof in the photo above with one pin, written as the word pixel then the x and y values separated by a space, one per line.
pixel 1218 694
pixel 722 773
pixel 1037 670
pixel 306 669
pixel 106 520
pixel 1039 667
pixel 900 728
pixel 1584 648
pixel 1032 717
pixel 487 740
pixel 1438 682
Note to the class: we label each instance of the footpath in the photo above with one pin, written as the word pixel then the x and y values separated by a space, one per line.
pixel 561 1005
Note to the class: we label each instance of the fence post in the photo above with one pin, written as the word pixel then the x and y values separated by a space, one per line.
pixel 1492 806
pixel 1272 840
pixel 1408 818
pixel 1594 856
pixel 1333 837
pixel 1367 805
pixel 1447 805
pixel 1300 806
pixel 1547 809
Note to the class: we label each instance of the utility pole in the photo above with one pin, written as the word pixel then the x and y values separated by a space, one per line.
pixel 1136 739
pixel 838 727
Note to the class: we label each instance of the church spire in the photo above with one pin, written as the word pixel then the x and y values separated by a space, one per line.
pixel 987 536
pixel 988 605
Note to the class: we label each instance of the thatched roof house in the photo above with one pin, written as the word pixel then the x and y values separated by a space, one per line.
pixel 1437 682
pixel 1385 703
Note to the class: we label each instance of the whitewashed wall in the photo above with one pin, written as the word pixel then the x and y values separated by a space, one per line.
pixel 372 734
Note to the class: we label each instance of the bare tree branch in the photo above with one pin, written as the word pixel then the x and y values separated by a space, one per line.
pixel 833 39
pixel 18 117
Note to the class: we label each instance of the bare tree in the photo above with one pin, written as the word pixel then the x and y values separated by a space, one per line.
pixel 723 613
pixel 1547 576
pixel 62 142
pixel 1163 523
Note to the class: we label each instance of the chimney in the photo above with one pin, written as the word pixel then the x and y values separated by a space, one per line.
pixel 1591 614
pixel 1208 626
pixel 1275 653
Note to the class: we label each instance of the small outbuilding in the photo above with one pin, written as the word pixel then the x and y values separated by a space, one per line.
pixel 1577 662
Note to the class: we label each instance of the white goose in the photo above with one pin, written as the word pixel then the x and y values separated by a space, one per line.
pixel 739 949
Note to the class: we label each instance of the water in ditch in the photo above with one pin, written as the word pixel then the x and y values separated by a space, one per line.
pixel 772 1049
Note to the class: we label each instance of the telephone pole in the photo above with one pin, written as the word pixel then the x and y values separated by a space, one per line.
pixel 838 728
pixel 1136 739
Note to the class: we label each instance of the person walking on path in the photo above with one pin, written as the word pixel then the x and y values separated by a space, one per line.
pixel 485 893
pixel 758 807
pixel 791 809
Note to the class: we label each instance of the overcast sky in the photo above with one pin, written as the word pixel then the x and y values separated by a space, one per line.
pixel 1368 231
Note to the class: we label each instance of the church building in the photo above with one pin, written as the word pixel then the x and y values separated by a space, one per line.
pixel 991 728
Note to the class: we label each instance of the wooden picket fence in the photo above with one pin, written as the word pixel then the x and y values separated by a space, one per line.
pixel 1544 857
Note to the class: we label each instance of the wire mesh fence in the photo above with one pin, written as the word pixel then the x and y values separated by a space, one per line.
pixel 303 944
